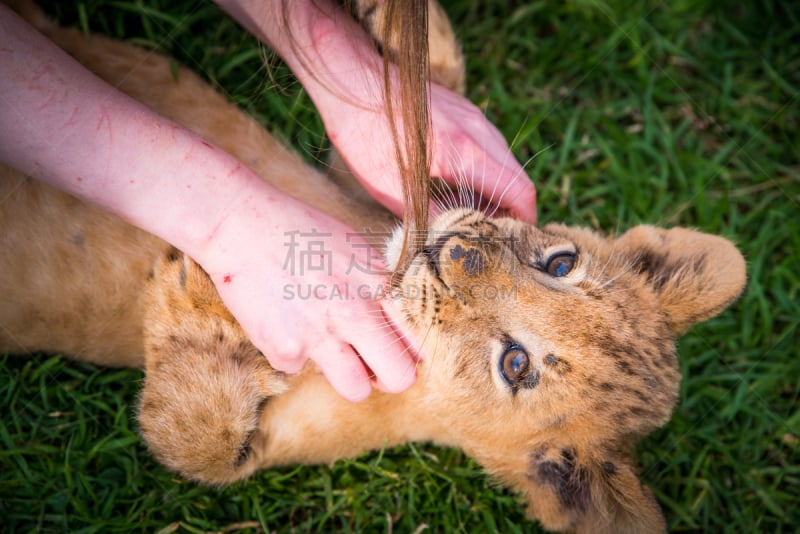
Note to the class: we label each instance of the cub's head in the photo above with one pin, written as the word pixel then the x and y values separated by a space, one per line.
pixel 549 352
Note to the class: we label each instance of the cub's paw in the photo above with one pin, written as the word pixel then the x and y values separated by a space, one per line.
pixel 205 385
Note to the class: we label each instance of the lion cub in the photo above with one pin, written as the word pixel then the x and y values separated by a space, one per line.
pixel 547 352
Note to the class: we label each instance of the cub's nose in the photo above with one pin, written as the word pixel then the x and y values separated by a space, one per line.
pixel 470 259
pixel 454 254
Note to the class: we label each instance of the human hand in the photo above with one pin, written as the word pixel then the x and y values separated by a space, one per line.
pixel 306 290
pixel 335 60
pixel 468 152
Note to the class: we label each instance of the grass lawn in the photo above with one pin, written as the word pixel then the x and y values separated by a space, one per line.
pixel 671 113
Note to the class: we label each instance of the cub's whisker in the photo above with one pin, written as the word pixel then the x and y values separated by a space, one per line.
pixel 500 199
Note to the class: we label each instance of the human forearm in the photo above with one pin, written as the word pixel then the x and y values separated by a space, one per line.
pixel 65 126
pixel 328 51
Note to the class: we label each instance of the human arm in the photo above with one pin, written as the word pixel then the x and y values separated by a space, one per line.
pixel 334 59
pixel 67 127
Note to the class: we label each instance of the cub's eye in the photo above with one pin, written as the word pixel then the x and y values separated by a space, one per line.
pixel 513 364
pixel 560 264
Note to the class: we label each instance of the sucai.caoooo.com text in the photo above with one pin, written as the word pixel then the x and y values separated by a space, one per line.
pixel 376 292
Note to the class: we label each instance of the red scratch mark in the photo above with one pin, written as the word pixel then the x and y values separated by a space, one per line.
pixel 209 145
pixel 235 169
pixel 71 120
pixel 46 103
pixel 105 118
pixel 227 279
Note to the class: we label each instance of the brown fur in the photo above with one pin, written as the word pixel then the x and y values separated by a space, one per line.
pixel 600 340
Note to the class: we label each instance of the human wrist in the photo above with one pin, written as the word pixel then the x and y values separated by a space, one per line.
pixel 250 218
pixel 104 147
pixel 327 50
pixel 340 66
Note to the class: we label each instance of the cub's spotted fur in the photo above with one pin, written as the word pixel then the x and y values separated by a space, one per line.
pixel 547 353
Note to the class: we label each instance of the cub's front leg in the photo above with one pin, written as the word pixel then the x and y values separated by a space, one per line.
pixel 205 385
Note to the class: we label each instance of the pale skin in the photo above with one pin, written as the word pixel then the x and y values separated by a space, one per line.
pixel 81 135
pixel 337 65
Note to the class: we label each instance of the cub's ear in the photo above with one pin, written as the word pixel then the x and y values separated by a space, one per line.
pixel 589 492
pixel 695 275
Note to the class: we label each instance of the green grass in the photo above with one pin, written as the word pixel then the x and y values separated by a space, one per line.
pixel 673 113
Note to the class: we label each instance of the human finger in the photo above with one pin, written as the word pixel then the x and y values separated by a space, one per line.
pixel 386 353
pixel 286 356
pixel 520 200
pixel 493 185
pixel 343 368
pixel 375 338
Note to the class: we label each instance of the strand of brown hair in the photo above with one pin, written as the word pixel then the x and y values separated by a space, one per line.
pixel 408 21
pixel 405 38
